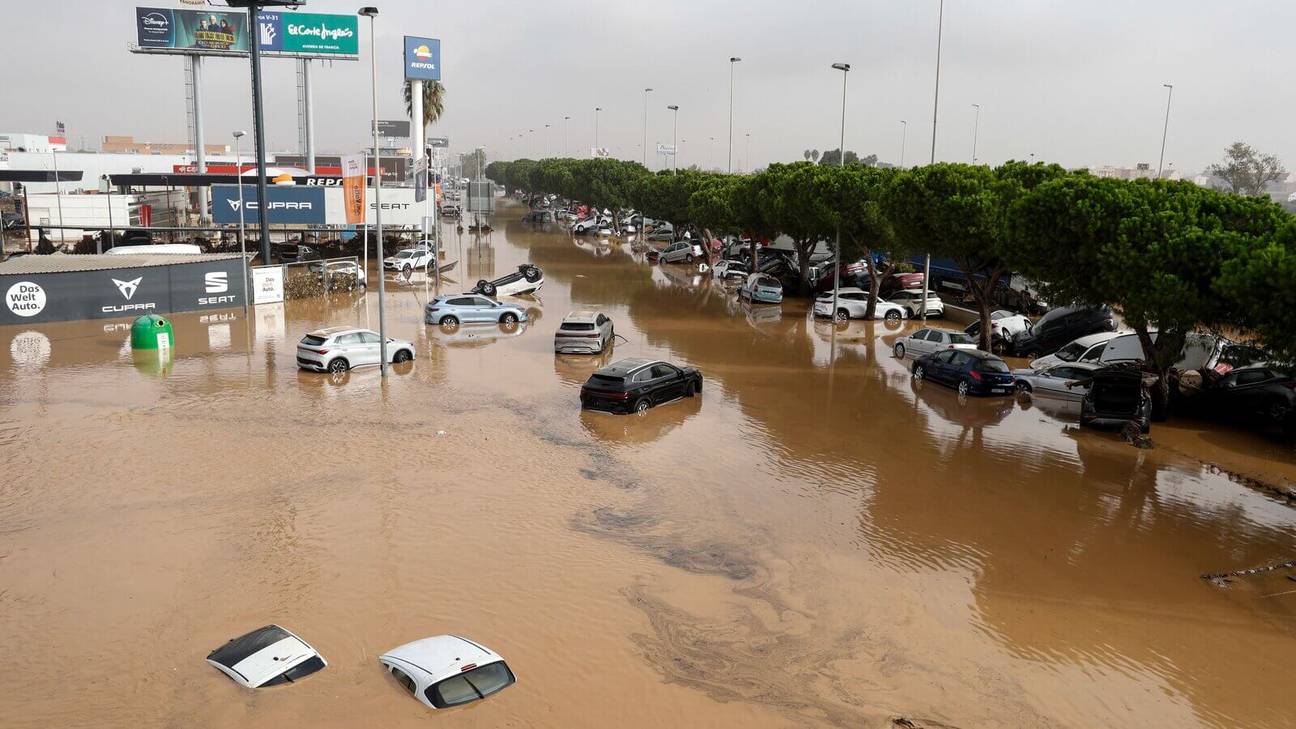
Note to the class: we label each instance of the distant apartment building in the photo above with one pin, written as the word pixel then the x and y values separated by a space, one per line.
pixel 1142 170
pixel 126 144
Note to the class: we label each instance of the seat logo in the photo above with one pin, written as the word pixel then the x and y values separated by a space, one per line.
pixel 128 288
pixel 217 282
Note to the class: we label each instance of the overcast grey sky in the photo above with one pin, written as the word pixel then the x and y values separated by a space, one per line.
pixel 1075 82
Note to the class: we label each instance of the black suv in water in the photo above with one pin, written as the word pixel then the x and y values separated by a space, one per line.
pixel 1060 326
pixel 634 385
pixel 1117 394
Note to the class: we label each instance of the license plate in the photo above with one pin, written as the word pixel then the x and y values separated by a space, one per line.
pixel 998 390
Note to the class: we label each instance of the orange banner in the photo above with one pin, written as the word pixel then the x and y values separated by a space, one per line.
pixel 353 188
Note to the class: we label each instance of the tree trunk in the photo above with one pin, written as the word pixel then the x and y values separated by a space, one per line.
pixel 983 294
pixel 804 249
pixel 875 284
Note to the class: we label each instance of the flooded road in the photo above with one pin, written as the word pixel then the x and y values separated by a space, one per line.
pixel 818 540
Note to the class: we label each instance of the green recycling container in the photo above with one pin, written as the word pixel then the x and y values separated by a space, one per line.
pixel 152 332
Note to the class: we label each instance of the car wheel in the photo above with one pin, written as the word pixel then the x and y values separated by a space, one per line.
pixel 892 315
pixel 918 372
pixel 508 318
pixel 488 289
pixel 691 390
pixel 1278 413
pixel 402 355
pixel 899 351
pixel 842 315
pixel 688 258
pixel 642 405
pixel 450 320
pixel 1023 388
pixel 963 387
pixel 408 270
pixel 338 365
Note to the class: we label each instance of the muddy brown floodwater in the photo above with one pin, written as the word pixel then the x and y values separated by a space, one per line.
pixel 816 541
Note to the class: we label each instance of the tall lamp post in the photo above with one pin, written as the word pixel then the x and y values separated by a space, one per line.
pixel 238 177
pixel 372 13
pixel 675 140
pixel 597 109
pixel 940 26
pixel 645 127
pixel 1166 129
pixel 732 61
pixel 747 154
pixel 566 149
pixel 548 148
pixel 976 126
pixel 837 257
pixel 904 133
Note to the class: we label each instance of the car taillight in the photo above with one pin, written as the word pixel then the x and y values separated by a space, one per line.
pixel 316 351
pixel 468 667
pixel 433 308
pixel 1290 385
pixel 975 375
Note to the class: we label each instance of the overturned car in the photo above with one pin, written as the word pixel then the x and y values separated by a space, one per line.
pixel 526 280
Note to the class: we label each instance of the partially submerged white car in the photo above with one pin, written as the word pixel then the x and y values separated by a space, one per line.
pixel 268 656
pixel 448 670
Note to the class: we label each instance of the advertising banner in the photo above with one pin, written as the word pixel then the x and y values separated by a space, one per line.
pixel 122 292
pixel 353 188
pixel 309 34
pixel 422 58
pixel 398 207
pixel 290 205
pixel 225 32
pixel 399 128
pixel 420 180
pixel 267 284
pixel 200 31
pixel 439 142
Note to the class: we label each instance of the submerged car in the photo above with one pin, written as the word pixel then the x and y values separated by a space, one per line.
pixel 761 288
pixel 852 303
pixel 1118 394
pixel 684 251
pixel 409 259
pixel 338 349
pixel 527 279
pixel 1260 396
pixel 1060 326
pixel 912 300
pixel 970 371
pixel 455 309
pixel 448 670
pixel 1087 349
pixel 1004 328
pixel 926 341
pixel 583 332
pixel 1059 380
pixel 731 269
pixel 634 385
pixel 268 656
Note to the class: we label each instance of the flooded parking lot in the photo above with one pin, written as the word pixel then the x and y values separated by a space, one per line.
pixel 818 540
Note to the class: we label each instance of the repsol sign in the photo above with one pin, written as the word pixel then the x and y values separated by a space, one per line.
pixel 217 283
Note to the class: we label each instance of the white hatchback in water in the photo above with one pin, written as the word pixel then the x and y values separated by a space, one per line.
pixel 447 670
pixel 267 656
pixel 338 349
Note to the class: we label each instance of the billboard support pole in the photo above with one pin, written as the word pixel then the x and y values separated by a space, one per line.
pixel 200 154
pixel 308 114
pixel 258 122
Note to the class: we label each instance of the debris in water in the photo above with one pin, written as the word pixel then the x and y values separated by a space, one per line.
pixel 1130 432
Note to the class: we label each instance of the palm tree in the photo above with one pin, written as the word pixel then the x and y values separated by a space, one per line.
pixel 433 101
pixel 814 155
pixel 806 154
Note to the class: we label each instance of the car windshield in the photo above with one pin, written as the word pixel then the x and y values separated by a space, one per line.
pixel 1071 352
pixel 957 338
pixel 313 340
pixel 475 684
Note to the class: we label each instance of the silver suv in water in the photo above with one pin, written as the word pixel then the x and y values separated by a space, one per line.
pixel 338 349
pixel 457 309
pixel 583 332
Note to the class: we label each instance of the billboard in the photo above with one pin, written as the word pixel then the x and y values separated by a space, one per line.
pixel 197 31
pixel 353 187
pixel 216 283
pixel 289 205
pixel 309 34
pixel 422 58
pixel 225 33
pixel 399 128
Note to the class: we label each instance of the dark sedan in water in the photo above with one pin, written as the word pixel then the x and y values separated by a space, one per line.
pixel 634 385
pixel 970 371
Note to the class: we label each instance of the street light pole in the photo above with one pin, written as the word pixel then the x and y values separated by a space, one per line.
pixel 747 153
pixel 675 140
pixel 732 61
pixel 940 26
pixel 976 126
pixel 904 132
pixel 372 13
pixel 645 128
pixel 1166 128
pixel 548 149
pixel 837 257
pixel 597 109
pixel 566 149
pixel 238 177
pixel 258 131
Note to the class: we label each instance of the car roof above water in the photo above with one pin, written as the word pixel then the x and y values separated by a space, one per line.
pixel 624 367
pixel 585 315
pixel 327 332
pixel 441 656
